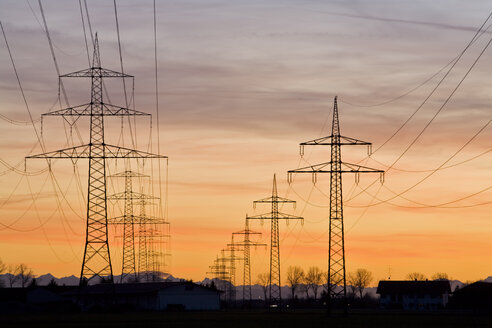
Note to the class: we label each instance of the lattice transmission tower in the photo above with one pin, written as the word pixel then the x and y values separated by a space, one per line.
pixel 96 261
pixel 128 220
pixel 220 271
pixel 246 245
pixel 335 167
pixel 275 295
pixel 148 257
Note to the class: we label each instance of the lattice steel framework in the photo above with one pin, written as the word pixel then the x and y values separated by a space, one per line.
pixel 220 271
pixel 275 296
pixel 148 257
pixel 128 220
pixel 96 261
pixel 246 245
pixel 336 248
pixel 232 258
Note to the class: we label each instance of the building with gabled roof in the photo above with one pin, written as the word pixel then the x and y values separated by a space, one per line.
pixel 414 295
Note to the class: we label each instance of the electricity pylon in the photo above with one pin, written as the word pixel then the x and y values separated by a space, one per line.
pixel 232 248
pixel 336 248
pixel 246 244
pixel 275 296
pixel 147 263
pixel 128 221
pixel 221 271
pixel 96 261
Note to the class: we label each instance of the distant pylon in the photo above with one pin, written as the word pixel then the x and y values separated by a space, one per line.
pixel 97 260
pixel 128 220
pixel 275 296
pixel 337 290
pixel 246 244
pixel 148 265
pixel 221 272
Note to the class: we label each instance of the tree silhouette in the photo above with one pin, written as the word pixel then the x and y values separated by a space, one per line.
pixel 295 276
pixel 264 280
pixel 12 277
pixel 417 276
pixel 3 267
pixel 24 274
pixel 360 279
pixel 52 284
pixel 314 278
pixel 440 276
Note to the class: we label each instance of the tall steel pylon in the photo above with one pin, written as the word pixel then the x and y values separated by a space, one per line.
pixel 128 220
pixel 275 296
pixel 148 264
pixel 97 260
pixel 336 249
pixel 246 245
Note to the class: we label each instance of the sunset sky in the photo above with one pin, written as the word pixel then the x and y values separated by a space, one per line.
pixel 241 84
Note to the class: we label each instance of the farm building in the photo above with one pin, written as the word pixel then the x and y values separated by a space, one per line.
pixel 158 296
pixel 414 295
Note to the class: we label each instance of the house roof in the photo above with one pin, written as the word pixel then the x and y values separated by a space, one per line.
pixel 409 287
pixel 479 288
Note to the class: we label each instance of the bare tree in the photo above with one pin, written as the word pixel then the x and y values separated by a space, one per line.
pixel 12 277
pixel 264 280
pixel 304 287
pixel 24 274
pixel 417 276
pixel 325 281
pixel 295 275
pixel 440 276
pixel 314 278
pixel 360 279
pixel 2 270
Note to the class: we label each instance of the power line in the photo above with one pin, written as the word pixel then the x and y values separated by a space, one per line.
pixel 417 86
pixel 433 90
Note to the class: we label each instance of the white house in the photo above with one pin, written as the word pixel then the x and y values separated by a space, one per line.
pixel 414 295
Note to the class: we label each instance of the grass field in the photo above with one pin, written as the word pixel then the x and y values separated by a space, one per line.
pixel 239 319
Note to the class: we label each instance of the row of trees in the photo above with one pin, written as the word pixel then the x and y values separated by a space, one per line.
pixel 311 282
pixel 421 277
pixel 19 274
pixel 314 278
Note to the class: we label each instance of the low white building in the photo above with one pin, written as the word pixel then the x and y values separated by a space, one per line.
pixel 158 296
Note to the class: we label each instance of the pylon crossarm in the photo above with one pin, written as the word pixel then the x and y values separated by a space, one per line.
pixel 79 110
pixel 310 169
pixel 152 219
pixel 246 232
pixel 122 219
pixel 281 216
pixel 352 141
pixel 112 110
pixel 72 152
pixel 328 141
pixel 274 199
pixel 96 72
pixel 121 152
pixel 318 141
pixel 85 110
pixel 249 243
pixel 125 174
pixel 83 151
pixel 354 168
pixel 131 195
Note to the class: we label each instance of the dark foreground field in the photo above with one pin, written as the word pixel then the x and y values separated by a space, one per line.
pixel 239 319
